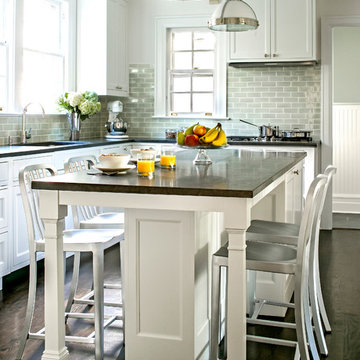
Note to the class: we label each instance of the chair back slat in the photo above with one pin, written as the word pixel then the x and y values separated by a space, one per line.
pixel 75 164
pixel 309 221
pixel 30 199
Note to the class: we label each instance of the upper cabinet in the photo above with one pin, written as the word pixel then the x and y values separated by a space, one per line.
pixel 287 32
pixel 102 64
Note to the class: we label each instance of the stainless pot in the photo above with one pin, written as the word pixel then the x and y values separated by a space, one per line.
pixel 264 131
pixel 296 133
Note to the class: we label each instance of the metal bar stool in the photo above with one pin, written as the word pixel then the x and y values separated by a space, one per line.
pixel 277 258
pixel 89 217
pixel 287 233
pixel 78 240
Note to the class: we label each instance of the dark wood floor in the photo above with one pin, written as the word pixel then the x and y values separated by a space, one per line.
pixel 340 271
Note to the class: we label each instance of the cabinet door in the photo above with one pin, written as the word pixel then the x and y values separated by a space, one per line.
pixel 294 199
pixel 253 45
pixel 4 253
pixel 4 208
pixel 292 29
pixel 20 236
pixel 117 73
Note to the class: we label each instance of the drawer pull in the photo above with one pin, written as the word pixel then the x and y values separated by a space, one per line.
pixel 296 172
pixel 118 87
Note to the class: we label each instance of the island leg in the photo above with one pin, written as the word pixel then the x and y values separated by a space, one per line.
pixel 53 216
pixel 237 288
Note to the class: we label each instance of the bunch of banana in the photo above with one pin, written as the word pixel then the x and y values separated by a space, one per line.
pixel 221 139
pixel 215 136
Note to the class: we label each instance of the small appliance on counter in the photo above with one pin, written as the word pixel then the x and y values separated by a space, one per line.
pixel 115 125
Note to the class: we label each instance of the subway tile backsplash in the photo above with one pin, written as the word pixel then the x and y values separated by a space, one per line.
pixel 288 97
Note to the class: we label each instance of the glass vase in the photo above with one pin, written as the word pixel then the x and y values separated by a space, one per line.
pixel 75 125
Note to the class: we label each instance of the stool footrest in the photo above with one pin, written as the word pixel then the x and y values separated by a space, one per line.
pixel 266 340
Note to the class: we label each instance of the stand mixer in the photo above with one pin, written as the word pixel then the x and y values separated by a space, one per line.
pixel 115 125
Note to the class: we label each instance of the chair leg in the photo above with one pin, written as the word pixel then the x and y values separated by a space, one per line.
pixel 308 326
pixel 215 301
pixel 122 277
pixel 251 291
pixel 315 310
pixel 299 320
pixel 74 282
pixel 29 309
pixel 319 295
pixel 98 274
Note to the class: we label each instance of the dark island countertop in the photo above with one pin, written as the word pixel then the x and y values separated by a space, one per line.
pixel 47 147
pixel 233 173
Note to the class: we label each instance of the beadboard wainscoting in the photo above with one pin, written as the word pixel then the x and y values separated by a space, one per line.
pixel 346 154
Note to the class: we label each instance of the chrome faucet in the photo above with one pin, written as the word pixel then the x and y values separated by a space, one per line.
pixel 25 135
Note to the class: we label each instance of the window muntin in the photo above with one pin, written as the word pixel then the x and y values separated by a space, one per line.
pixel 191 73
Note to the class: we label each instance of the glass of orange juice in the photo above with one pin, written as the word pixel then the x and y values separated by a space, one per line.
pixel 168 157
pixel 146 164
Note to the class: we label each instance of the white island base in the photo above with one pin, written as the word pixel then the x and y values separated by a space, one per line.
pixel 167 304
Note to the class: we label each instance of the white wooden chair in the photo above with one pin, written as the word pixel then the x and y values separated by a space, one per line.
pixel 78 240
pixel 278 258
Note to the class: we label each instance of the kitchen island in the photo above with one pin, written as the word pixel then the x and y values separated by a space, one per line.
pixel 171 229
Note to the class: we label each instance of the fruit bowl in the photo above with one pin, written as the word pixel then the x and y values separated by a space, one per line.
pixel 202 138
pixel 202 158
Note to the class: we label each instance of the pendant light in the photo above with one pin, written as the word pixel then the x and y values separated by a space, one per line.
pixel 233 15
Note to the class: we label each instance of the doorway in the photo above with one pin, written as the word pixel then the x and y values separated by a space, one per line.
pixel 341 119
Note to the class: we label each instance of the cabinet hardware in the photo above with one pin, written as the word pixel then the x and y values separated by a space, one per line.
pixel 118 87
pixel 266 55
pixel 296 172
pixel 275 55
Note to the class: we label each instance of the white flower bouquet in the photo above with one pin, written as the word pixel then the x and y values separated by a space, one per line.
pixel 85 104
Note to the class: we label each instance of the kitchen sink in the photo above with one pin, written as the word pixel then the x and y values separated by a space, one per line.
pixel 55 143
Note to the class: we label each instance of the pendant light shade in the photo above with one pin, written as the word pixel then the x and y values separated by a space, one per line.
pixel 233 15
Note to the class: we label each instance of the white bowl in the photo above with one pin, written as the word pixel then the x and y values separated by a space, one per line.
pixel 135 152
pixel 114 161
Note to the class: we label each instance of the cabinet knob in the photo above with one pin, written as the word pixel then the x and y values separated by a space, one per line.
pixel 266 55
pixel 296 172
pixel 118 87
pixel 275 55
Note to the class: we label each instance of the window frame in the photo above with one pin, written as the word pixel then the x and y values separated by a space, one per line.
pixel 162 28
pixel 194 72
pixel 15 49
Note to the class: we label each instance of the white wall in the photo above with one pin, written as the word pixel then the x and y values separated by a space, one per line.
pixel 142 14
pixel 346 50
pixel 338 7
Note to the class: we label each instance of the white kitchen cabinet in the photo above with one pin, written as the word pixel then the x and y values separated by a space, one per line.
pixel 286 32
pixel 4 255
pixel 102 62
pixel 294 195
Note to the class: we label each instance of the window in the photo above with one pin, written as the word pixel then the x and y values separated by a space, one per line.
pixel 191 72
pixel 4 54
pixel 44 51
pixel 190 68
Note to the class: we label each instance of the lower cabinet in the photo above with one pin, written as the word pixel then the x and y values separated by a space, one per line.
pixel 4 255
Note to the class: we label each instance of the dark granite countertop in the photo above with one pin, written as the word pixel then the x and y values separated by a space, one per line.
pixel 38 148
pixel 233 173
